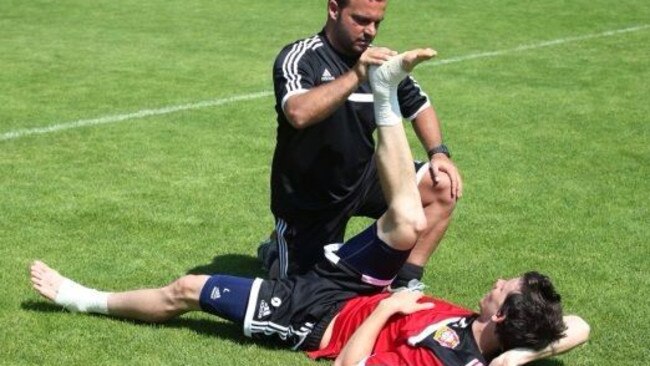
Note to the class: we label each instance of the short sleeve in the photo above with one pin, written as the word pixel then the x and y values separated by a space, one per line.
pixel 292 72
pixel 412 98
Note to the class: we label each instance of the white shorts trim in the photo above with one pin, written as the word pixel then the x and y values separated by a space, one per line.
pixel 250 308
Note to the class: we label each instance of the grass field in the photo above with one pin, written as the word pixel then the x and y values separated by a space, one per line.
pixel 136 140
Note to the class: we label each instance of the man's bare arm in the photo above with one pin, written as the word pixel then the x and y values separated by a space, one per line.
pixel 427 127
pixel 360 345
pixel 576 334
pixel 313 106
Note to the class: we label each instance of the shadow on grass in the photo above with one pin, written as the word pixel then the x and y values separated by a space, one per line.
pixel 206 327
pixel 231 264
pixel 552 362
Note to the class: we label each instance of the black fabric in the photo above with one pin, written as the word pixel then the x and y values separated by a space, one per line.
pixel 297 310
pixel 308 233
pixel 408 272
pixel 454 344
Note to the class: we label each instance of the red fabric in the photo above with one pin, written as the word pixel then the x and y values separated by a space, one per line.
pixel 391 347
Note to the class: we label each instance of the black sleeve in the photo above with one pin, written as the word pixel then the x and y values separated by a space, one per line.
pixel 292 72
pixel 412 99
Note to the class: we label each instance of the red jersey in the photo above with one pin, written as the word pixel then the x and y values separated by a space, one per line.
pixel 392 346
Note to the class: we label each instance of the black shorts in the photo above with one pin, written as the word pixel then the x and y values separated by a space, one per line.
pixel 296 311
pixel 301 238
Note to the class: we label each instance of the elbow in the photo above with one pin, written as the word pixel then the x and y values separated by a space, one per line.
pixel 579 326
pixel 296 116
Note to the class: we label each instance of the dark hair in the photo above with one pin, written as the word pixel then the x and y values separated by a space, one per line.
pixel 533 317
pixel 342 3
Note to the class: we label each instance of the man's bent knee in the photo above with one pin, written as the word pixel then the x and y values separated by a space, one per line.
pixel 403 226
pixel 439 193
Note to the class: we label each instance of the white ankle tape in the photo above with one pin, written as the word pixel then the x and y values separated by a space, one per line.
pixel 77 298
pixel 383 81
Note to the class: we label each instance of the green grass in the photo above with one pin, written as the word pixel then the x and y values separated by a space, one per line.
pixel 552 142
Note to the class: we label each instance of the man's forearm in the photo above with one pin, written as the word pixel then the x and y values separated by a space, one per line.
pixel 427 128
pixel 360 345
pixel 313 106
pixel 577 333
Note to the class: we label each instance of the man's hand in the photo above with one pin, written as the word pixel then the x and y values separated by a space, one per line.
pixel 405 302
pixel 440 164
pixel 371 56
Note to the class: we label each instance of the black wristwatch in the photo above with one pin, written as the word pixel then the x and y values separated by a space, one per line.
pixel 440 149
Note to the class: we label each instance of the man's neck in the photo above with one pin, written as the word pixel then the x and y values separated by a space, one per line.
pixel 485 336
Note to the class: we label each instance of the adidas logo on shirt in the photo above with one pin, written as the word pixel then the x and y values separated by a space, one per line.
pixel 327 76
pixel 264 310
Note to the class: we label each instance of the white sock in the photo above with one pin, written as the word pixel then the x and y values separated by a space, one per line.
pixel 77 298
pixel 383 81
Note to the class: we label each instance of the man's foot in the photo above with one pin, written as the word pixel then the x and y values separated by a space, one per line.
pixel 45 280
pixel 393 71
pixel 65 292
pixel 412 58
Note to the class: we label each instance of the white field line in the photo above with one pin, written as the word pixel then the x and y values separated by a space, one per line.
pixel 244 97
pixel 135 115
pixel 554 42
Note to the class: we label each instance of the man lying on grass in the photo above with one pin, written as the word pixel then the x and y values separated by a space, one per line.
pixel 338 309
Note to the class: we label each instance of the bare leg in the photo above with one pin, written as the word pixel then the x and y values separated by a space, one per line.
pixel 404 219
pixel 438 207
pixel 150 305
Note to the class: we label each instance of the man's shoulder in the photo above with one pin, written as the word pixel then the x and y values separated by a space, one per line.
pixel 308 43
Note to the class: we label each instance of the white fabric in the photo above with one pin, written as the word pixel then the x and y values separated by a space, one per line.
pixel 383 81
pixel 77 298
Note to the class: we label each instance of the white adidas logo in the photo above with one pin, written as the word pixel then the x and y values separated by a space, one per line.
pixel 264 310
pixel 215 293
pixel 327 76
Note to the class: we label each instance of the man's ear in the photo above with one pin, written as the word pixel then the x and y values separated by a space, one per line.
pixel 498 317
pixel 333 9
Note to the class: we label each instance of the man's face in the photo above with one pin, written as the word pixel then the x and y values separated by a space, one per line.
pixel 492 301
pixel 355 26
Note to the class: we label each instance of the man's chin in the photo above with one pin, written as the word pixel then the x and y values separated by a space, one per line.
pixel 362 47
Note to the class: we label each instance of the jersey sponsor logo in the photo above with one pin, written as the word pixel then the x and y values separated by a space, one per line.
pixel 215 294
pixel 264 310
pixel 276 302
pixel 446 337
pixel 327 76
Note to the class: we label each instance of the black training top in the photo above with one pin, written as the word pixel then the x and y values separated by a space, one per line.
pixel 322 166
